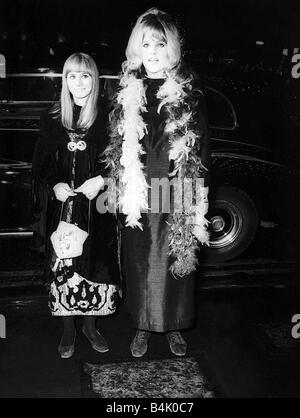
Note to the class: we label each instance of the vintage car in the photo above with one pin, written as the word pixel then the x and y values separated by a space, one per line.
pixel 254 148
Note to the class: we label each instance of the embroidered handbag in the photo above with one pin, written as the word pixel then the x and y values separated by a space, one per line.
pixel 68 240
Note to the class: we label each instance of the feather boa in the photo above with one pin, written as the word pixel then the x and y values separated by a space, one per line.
pixel 134 197
pixel 189 226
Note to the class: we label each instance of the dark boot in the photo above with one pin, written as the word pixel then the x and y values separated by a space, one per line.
pixel 66 346
pixel 96 340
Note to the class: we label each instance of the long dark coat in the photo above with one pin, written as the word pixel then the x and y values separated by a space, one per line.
pixel 52 163
pixel 157 300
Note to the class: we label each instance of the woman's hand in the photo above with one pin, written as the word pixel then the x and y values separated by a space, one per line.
pixel 62 191
pixel 91 187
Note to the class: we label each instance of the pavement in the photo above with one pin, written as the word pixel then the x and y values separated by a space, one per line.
pixel 244 330
pixel 242 359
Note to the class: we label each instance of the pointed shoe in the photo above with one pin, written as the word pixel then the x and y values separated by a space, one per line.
pixel 100 346
pixel 67 351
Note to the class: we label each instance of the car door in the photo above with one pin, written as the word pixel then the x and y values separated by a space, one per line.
pixel 23 97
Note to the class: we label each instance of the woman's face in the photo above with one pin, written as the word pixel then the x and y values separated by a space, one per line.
pixel 154 56
pixel 80 84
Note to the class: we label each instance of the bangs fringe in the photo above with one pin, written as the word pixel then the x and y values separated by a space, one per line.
pixel 83 63
pixel 78 64
pixel 156 33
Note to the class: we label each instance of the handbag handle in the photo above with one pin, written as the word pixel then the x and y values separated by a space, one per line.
pixel 61 211
pixel 89 214
pixel 72 185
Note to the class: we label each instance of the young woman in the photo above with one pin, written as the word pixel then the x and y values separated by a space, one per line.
pixel 67 170
pixel 158 135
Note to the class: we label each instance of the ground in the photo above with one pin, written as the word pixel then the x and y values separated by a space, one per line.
pixel 243 331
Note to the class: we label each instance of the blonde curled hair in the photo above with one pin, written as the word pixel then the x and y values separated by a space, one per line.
pixel 163 28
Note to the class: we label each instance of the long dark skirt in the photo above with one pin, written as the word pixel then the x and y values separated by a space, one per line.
pixel 157 300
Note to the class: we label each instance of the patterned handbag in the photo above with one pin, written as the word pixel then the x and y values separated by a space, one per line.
pixel 68 239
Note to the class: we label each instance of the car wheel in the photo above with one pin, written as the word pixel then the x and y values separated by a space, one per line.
pixel 233 223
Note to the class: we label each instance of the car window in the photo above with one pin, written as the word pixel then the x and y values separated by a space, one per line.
pixel 220 111
pixel 34 87
pixel 4 89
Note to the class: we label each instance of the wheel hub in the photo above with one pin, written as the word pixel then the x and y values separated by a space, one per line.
pixel 217 223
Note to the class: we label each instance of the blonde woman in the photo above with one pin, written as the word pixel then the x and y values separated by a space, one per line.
pixel 158 134
pixel 66 167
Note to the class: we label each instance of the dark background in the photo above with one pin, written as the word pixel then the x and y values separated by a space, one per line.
pixel 106 24
pixel 207 22
pixel 244 309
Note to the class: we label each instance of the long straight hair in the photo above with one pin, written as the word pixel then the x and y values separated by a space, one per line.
pixel 78 62
pixel 162 27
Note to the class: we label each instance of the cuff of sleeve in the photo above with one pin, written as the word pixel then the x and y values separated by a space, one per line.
pixel 51 182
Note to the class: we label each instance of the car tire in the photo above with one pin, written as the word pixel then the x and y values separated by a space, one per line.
pixel 233 224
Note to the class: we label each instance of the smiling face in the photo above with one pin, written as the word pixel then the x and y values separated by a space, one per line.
pixel 80 84
pixel 154 55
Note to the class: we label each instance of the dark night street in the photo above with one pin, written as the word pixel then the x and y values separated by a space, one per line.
pixel 244 58
pixel 243 329
pixel 244 333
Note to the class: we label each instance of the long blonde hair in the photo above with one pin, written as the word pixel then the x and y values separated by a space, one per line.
pixel 78 62
pixel 162 27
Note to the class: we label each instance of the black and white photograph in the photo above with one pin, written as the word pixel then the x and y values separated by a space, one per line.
pixel 149 201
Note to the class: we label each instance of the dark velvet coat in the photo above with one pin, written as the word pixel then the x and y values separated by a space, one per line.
pixel 52 163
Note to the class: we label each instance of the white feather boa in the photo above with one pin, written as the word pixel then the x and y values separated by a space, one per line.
pixel 133 187
pixel 134 195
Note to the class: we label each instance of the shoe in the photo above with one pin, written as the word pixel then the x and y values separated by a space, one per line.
pixel 139 344
pixel 177 344
pixel 67 351
pixel 100 346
